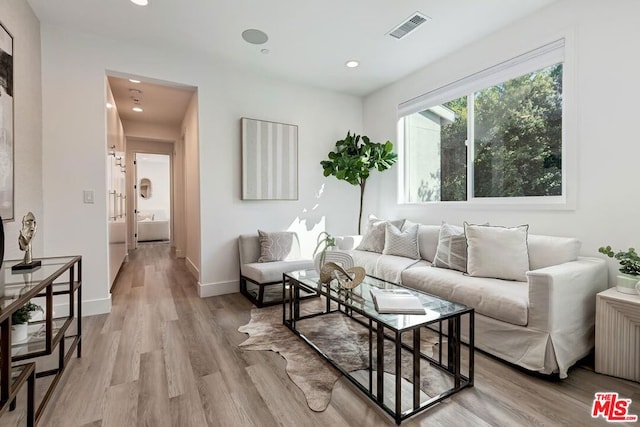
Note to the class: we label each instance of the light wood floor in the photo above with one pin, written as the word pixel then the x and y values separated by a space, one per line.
pixel 164 357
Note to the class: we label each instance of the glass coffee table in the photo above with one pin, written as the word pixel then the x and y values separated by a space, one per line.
pixel 387 384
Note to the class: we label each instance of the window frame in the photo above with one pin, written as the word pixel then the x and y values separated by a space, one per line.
pixel 559 50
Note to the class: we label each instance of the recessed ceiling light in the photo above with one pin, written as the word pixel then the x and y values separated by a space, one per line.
pixel 265 51
pixel 255 36
pixel 352 64
pixel 109 105
pixel 137 109
pixel 140 2
pixel 134 81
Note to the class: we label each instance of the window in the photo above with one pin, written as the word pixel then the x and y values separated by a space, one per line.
pixel 495 135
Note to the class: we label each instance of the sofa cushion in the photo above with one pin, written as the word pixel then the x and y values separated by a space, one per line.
pixel 499 299
pixel 545 251
pixel 269 272
pixel 373 240
pixel 401 243
pixel 365 259
pixel 428 241
pixel 278 246
pixel 387 267
pixel 452 248
pixel 498 252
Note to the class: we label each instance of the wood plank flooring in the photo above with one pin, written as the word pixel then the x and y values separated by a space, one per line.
pixel 164 357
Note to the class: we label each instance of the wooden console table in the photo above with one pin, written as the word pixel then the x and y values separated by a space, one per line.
pixel 59 278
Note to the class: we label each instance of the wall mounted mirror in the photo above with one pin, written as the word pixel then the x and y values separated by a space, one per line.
pixel 145 188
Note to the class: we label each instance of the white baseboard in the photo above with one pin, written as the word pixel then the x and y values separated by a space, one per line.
pixel 218 288
pixel 89 308
pixel 192 268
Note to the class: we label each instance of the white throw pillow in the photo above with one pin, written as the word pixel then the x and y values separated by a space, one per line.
pixel 401 243
pixel 373 240
pixel 452 248
pixel 497 252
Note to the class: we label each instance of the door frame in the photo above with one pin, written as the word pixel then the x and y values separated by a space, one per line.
pixel 148 146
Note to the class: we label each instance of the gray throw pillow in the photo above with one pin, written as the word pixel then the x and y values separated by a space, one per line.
pixel 373 240
pixel 401 243
pixel 452 248
pixel 275 246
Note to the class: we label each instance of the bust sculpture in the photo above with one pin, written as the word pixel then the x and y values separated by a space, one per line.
pixel 28 231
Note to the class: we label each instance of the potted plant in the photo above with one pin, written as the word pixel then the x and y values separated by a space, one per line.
pixel 326 242
pixel 19 320
pixel 628 281
pixel 354 157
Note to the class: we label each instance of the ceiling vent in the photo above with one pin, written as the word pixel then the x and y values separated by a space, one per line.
pixel 408 25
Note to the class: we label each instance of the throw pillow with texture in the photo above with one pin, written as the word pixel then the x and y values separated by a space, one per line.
pixel 275 246
pixel 497 252
pixel 373 240
pixel 401 243
pixel 452 248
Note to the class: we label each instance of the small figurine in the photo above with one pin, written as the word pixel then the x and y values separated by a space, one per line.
pixel 29 227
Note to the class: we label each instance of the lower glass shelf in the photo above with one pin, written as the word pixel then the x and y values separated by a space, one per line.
pixel 36 337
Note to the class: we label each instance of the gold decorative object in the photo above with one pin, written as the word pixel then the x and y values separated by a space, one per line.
pixel 347 279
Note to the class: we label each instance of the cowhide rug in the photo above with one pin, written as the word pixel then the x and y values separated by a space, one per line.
pixel 345 340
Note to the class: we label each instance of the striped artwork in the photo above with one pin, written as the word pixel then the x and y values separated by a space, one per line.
pixel 269 160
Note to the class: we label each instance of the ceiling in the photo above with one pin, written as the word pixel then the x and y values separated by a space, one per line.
pixel 161 103
pixel 309 42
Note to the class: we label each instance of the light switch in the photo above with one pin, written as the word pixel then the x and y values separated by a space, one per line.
pixel 88 196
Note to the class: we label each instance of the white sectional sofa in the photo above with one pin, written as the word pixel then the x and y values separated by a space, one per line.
pixel 544 324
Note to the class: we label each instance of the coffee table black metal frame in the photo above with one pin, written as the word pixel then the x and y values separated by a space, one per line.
pixel 345 302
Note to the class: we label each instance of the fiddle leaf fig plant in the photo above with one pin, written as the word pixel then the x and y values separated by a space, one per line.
pixel 629 259
pixel 354 157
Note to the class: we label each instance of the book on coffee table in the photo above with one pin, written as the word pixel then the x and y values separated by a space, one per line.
pixel 396 301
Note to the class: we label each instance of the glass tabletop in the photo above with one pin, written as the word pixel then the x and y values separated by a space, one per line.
pixel 14 284
pixel 361 300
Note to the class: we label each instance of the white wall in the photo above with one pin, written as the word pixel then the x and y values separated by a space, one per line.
pixel 192 206
pixel 73 69
pixel 155 131
pixel 601 117
pixel 18 18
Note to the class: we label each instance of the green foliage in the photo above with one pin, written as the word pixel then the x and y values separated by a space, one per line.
pixel 518 139
pixel 355 156
pixel 326 241
pixel 23 314
pixel 353 159
pixel 629 260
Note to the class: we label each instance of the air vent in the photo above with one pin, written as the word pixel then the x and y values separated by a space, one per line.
pixel 408 25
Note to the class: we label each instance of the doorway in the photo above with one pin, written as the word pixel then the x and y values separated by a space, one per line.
pixel 160 118
pixel 153 198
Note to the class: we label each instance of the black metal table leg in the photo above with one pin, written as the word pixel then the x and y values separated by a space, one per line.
pixel 380 363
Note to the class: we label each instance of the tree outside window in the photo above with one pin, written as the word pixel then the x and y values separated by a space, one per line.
pixel 516 130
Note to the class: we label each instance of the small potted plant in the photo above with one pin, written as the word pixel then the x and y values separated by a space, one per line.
pixel 19 320
pixel 326 242
pixel 628 281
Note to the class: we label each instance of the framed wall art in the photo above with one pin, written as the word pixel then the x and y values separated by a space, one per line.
pixel 6 124
pixel 269 160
